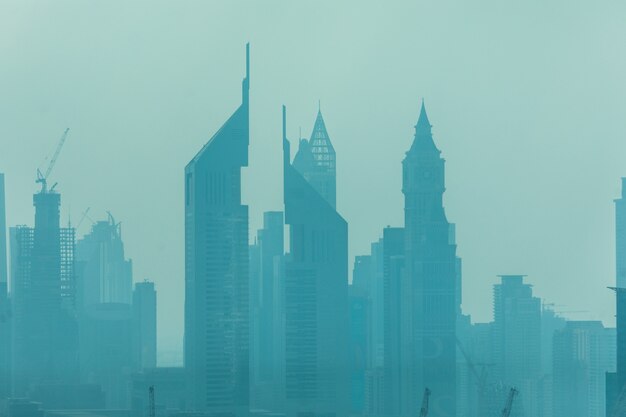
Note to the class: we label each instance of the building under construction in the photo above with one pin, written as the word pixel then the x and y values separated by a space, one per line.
pixel 43 293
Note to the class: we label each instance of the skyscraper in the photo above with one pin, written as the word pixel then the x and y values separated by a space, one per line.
pixel 144 326
pixel 430 298
pixel 5 314
pixel 317 376
pixel 393 252
pixel 580 363
pixel 216 269
pixel 266 259
pixel 3 233
pixel 104 274
pixel 620 238
pixel 43 293
pixel 517 340
pixel 316 161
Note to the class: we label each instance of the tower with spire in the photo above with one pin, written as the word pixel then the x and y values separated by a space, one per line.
pixel 316 161
pixel 216 269
pixel 429 298
pixel 317 377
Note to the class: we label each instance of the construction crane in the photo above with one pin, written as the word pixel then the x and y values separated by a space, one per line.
pixel 43 178
pixel 152 411
pixel 424 409
pixel 506 412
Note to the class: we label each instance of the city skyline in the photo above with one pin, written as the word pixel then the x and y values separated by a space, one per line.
pixel 480 226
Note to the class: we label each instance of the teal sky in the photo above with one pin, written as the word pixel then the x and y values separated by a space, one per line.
pixel 527 101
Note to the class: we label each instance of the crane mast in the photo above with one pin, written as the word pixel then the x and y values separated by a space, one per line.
pixel 506 412
pixel 152 411
pixel 43 178
pixel 424 409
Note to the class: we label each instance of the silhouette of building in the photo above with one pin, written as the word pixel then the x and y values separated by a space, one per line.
pixel 316 161
pixel 45 344
pixel 266 258
pixel 3 233
pixel 104 274
pixel 517 340
pixel 393 257
pixel 616 381
pixel 5 311
pixel 144 326
pixel 359 323
pixel 317 375
pixel 429 307
pixel 581 357
pixel 620 238
pixel 216 269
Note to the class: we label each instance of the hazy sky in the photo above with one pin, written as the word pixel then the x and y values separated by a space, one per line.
pixel 527 101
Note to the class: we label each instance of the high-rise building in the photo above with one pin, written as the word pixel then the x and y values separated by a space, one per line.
pixel 266 258
pixel 43 299
pixel 3 233
pixel 620 238
pixel 106 350
pixel 316 161
pixel 517 340
pixel 581 360
pixel 317 374
pixel 144 326
pixel 216 269
pixel 393 256
pixel 104 274
pixel 5 313
pixel 616 382
pixel 429 290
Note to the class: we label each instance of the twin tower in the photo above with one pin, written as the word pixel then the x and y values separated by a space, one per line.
pixel 312 325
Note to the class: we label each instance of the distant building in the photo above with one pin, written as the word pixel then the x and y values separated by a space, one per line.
pixel 580 361
pixel 106 355
pixel 517 341
pixel 430 297
pixel 359 315
pixel 144 335
pixel 317 371
pixel 393 256
pixel 316 161
pixel 105 275
pixel 616 381
pixel 216 270
pixel 45 336
pixel 3 233
pixel 266 259
pixel 620 238
pixel 5 309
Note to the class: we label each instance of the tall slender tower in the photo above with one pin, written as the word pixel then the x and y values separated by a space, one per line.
pixel 5 313
pixel 317 376
pixel 429 309
pixel 3 234
pixel 620 238
pixel 216 269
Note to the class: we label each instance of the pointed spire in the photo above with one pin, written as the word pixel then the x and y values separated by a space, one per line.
pixel 423 133
pixel 423 124
pixel 321 146
pixel 245 87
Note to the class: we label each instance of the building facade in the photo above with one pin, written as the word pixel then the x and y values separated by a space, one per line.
pixel 45 331
pixel 216 345
pixel 317 374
